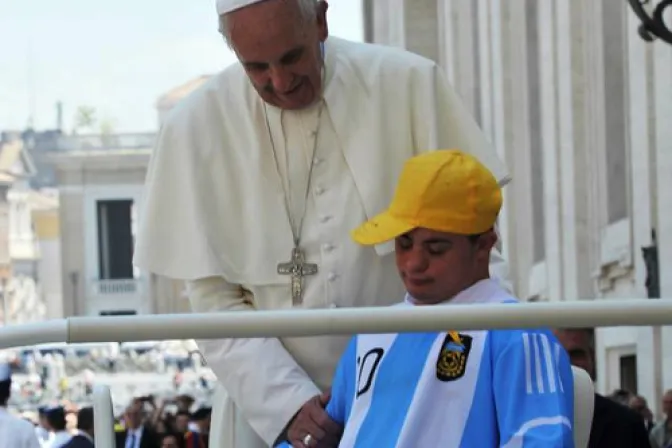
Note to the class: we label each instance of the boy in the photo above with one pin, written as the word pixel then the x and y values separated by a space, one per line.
pixel 498 388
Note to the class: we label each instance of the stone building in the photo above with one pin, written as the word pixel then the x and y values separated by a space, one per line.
pixel 101 179
pixel 578 106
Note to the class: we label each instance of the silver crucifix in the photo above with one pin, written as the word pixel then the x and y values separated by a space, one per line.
pixel 297 268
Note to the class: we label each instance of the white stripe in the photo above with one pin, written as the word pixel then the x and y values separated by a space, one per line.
pixel 537 364
pixel 557 363
pixel 528 368
pixel 551 369
pixel 361 404
pixel 517 440
pixel 438 414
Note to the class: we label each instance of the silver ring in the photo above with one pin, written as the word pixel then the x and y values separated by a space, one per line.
pixel 307 439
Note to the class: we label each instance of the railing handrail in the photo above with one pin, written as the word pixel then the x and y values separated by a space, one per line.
pixel 343 321
pixel 286 323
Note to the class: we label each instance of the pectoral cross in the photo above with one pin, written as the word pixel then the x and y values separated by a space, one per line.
pixel 297 268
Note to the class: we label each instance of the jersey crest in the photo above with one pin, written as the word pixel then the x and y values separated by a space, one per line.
pixel 452 360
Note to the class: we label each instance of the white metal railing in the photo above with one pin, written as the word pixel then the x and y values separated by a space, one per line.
pixel 285 323
pixel 103 417
pixel 251 324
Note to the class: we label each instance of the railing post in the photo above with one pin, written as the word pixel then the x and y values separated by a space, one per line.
pixel 103 417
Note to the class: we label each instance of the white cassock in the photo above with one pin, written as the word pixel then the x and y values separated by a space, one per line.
pixel 16 432
pixel 215 213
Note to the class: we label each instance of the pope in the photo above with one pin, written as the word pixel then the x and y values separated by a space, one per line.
pixel 256 180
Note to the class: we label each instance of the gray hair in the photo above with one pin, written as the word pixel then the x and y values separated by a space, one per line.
pixel 308 10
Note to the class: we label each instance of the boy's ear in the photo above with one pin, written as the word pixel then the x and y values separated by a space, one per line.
pixel 487 241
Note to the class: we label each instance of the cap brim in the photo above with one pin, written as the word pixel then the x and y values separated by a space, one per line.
pixel 380 229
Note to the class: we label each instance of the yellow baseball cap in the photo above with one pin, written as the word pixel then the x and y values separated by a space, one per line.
pixel 446 190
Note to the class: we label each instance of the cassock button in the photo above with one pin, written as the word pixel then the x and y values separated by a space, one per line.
pixel 317 161
pixel 332 276
pixel 325 218
pixel 319 191
pixel 327 247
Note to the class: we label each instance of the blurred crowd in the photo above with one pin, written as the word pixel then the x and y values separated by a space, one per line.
pixel 170 423
pixel 173 423
pixel 51 373
pixel 161 392
pixel 660 432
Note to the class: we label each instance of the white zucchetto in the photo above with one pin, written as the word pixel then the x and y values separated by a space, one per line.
pixel 227 6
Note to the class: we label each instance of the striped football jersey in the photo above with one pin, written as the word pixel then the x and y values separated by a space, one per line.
pixel 472 389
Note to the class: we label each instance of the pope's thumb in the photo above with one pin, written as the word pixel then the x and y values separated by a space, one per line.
pixel 325 397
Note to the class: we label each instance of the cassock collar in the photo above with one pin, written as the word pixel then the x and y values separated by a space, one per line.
pixel 341 74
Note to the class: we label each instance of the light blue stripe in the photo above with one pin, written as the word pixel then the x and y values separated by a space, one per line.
pixel 396 382
pixel 478 430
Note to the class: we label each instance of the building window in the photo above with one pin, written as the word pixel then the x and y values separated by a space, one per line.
pixel 115 239
pixel 119 313
pixel 536 143
pixel 628 371
pixel 614 34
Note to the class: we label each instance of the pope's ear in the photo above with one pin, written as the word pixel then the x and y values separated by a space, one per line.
pixel 322 27
pixel 322 7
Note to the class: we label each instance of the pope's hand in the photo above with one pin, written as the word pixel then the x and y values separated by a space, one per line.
pixel 313 425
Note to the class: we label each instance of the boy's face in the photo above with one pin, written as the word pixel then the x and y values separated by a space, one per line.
pixel 435 266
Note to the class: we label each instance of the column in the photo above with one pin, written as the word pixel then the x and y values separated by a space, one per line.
pixel 422 28
pixel 568 67
pixel 662 54
pixel 386 22
pixel 459 50
pixel 641 118
pixel 513 122
pixel 551 165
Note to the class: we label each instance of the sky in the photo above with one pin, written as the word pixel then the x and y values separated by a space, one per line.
pixel 116 56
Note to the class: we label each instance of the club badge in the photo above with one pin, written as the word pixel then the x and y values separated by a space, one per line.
pixel 452 361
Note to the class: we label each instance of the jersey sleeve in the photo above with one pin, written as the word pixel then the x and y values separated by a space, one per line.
pixel 533 390
pixel 343 385
pixel 342 388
